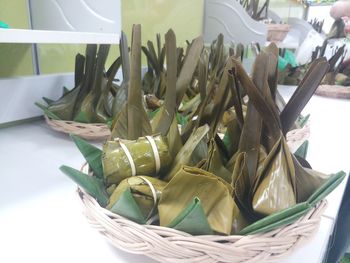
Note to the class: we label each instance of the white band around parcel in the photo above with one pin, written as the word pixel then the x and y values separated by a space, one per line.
pixel 154 193
pixel 155 152
pixel 128 155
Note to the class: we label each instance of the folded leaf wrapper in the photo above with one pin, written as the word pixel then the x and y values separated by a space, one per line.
pixel 192 220
pixel 214 193
pixel 187 153
pixel 145 191
pixel 189 177
pixel 274 188
pixel 124 158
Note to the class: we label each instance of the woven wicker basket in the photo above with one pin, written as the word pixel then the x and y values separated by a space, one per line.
pixel 168 245
pixel 333 91
pixel 277 32
pixel 88 131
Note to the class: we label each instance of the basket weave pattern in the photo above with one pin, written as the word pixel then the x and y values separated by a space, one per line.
pixel 277 32
pixel 334 91
pixel 89 131
pixel 168 245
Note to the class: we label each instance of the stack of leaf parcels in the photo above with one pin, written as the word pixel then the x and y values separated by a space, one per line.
pixel 338 72
pixel 94 94
pixel 160 170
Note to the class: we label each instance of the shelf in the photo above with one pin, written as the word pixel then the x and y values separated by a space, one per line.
pixel 56 37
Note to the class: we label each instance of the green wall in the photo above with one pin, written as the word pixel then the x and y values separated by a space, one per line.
pixel 156 16
pixel 185 17
pixel 15 59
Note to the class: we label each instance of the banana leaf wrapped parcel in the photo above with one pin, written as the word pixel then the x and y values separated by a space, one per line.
pixel 145 192
pixel 213 192
pixel 88 100
pixel 228 169
pixel 125 158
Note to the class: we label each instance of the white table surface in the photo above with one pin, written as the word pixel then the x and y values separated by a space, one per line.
pixel 41 218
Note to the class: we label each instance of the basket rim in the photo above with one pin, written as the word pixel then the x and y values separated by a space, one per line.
pixel 73 122
pixel 146 239
pixel 89 131
pixel 333 91
pixel 169 245
pixel 310 214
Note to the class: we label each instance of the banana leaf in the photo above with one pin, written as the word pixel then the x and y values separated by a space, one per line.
pixel 302 120
pixel 240 109
pixel 267 111
pixel 87 111
pixel 86 114
pixel 122 92
pixel 203 67
pixel 252 128
pixel 174 138
pixel 239 52
pixel 242 191
pixel 269 61
pixel 302 150
pixel 180 59
pixel 92 155
pixel 233 129
pixel 188 68
pixel 65 89
pixel 214 193
pixel 47 100
pixel 145 191
pixel 272 49
pixel 192 220
pixel 303 93
pixel 110 189
pixel 232 136
pixel 245 162
pixel 79 71
pixel 148 78
pixel 127 207
pixel 191 105
pixel 116 163
pixel 214 163
pixel 276 220
pixel 219 102
pixel 63 108
pixel 216 58
pixel 274 188
pixel 87 82
pixel 154 78
pixel 91 184
pixel 162 121
pixel 132 121
pixel 327 187
pixel 103 110
pixel 293 213
pixel 184 156
pixel 307 180
pixel 47 112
